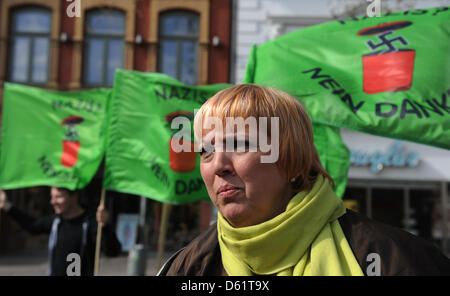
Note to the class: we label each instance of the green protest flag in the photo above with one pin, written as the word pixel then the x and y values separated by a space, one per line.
pixel 140 159
pixel 388 75
pixel 333 153
pixel 51 138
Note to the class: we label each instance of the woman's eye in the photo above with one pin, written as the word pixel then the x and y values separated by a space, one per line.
pixel 241 146
pixel 206 151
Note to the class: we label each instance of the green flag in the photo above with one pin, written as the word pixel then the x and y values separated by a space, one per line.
pixel 51 138
pixel 334 154
pixel 140 158
pixel 388 75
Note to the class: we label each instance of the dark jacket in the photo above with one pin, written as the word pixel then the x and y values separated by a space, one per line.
pixel 400 253
pixel 71 237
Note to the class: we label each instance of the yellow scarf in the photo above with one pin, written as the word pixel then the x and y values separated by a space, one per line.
pixel 306 239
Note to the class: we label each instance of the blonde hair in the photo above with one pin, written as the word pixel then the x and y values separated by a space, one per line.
pixel 298 156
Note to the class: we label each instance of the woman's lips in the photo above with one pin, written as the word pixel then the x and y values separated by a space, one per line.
pixel 228 193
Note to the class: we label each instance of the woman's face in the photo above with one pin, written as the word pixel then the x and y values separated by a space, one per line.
pixel 243 189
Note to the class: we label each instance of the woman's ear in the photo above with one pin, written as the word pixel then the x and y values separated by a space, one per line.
pixel 297 182
pixel 295 178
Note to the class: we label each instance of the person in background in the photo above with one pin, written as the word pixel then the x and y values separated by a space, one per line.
pixel 72 230
pixel 282 217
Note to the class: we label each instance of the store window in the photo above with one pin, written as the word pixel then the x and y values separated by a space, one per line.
pixel 104 46
pixel 355 199
pixel 388 206
pixel 178 39
pixel 29 50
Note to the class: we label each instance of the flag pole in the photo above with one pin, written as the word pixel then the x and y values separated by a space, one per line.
pixel 162 232
pixel 99 237
pixel 4 197
pixel 1 216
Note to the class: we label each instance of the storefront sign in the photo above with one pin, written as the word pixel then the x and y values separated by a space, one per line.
pixel 395 156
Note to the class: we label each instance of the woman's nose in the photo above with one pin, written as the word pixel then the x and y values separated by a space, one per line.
pixel 223 164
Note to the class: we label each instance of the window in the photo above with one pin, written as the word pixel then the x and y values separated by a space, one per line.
pixel 104 46
pixel 178 38
pixel 30 45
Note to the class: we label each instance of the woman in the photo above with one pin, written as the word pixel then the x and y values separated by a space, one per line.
pixel 282 218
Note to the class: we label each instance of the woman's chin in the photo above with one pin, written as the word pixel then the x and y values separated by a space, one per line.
pixel 235 215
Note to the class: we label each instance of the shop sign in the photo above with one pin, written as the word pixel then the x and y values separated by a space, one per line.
pixel 395 156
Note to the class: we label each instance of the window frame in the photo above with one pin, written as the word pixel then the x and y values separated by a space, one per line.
pixel 179 39
pixel 106 39
pixel 13 34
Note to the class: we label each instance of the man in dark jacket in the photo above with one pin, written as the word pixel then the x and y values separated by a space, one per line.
pixel 379 249
pixel 72 231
